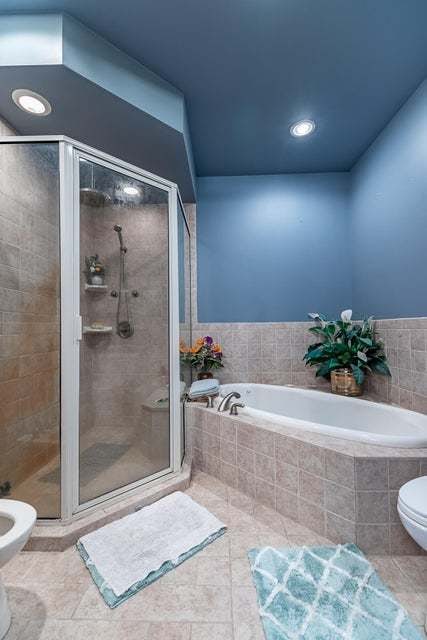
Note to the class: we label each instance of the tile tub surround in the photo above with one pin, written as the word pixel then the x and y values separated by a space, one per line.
pixel 271 353
pixel 405 341
pixel 266 353
pixel 344 490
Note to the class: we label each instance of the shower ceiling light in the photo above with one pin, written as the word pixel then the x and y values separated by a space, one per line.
pixel 31 102
pixel 131 191
pixel 302 128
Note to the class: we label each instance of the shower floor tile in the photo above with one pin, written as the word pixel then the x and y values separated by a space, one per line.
pixel 209 597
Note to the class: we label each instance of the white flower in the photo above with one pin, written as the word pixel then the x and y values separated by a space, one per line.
pixel 346 315
pixel 362 356
pixel 313 316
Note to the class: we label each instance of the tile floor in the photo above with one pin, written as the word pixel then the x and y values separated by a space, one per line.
pixel 209 597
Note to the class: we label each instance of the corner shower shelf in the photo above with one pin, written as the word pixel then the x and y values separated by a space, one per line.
pixel 93 331
pixel 96 287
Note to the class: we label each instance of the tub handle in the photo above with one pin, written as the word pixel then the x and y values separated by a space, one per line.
pixel 234 407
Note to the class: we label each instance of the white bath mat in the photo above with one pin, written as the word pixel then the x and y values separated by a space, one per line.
pixel 131 553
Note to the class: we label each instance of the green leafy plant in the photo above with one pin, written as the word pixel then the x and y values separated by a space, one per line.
pixel 346 345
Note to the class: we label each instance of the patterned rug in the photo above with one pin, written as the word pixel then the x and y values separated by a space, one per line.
pixel 325 593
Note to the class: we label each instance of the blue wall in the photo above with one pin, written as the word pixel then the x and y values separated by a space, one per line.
pixel 272 248
pixel 389 217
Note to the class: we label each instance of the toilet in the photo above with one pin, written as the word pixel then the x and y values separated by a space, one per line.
pixel 17 520
pixel 412 509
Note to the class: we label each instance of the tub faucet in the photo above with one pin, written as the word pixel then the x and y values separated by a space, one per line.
pixel 234 407
pixel 225 402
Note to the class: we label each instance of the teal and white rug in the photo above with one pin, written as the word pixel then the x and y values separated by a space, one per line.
pixel 131 553
pixel 325 593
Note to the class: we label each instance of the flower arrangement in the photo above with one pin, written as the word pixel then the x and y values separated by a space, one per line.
pixel 94 268
pixel 346 346
pixel 204 355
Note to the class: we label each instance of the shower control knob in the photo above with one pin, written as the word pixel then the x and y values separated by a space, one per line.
pixel 114 293
pixel 135 293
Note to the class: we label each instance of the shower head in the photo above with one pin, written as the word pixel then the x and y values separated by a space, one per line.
pixel 118 229
pixel 93 197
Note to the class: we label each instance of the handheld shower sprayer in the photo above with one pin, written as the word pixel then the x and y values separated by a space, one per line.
pixel 117 228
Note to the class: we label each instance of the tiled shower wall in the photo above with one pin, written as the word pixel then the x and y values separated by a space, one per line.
pixel 272 353
pixel 118 375
pixel 29 306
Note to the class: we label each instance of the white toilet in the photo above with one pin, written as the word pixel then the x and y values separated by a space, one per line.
pixel 412 509
pixel 17 520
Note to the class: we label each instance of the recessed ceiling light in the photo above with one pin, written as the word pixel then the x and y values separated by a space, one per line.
pixel 31 102
pixel 302 128
pixel 131 191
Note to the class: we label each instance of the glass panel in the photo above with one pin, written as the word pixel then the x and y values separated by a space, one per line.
pixel 30 306
pixel 124 353
pixel 184 266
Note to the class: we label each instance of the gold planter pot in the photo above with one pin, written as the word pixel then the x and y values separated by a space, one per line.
pixel 344 384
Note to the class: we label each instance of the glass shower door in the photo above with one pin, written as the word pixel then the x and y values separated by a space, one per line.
pixel 124 417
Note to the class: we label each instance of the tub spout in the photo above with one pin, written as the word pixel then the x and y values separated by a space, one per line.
pixel 225 402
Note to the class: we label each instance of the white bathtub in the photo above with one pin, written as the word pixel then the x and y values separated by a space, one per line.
pixel 332 415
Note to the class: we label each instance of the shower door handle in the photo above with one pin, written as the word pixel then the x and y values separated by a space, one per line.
pixel 78 328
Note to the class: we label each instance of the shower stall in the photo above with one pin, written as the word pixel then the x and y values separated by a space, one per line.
pixel 95 286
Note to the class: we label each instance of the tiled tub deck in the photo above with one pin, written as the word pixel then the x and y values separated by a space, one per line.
pixel 344 490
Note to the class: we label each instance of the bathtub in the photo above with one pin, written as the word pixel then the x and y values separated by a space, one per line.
pixel 332 415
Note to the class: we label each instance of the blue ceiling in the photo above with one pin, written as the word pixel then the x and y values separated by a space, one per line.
pixel 249 68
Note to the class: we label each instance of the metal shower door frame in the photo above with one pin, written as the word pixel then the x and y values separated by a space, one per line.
pixel 70 153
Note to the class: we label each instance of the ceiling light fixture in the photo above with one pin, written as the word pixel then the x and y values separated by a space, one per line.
pixel 31 102
pixel 131 191
pixel 302 128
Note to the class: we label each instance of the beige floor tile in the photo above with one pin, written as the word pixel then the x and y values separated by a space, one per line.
pixel 93 607
pixel 267 519
pixel 415 604
pixel 56 599
pixel 16 570
pixel 390 573
pixel 246 620
pixel 206 631
pixel 269 538
pixel 213 571
pixel 219 548
pixel 239 520
pixel 179 603
pixel 185 573
pixel 240 501
pixel 241 542
pixel 415 568
pixel 241 572
pixel 16 628
pixel 164 631
pixel 211 484
pixel 248 631
pixel 57 565
pixel 309 539
pixel 209 597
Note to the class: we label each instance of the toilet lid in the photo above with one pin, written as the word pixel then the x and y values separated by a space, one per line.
pixel 413 495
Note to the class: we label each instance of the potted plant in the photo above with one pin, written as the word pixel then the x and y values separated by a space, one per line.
pixel 346 352
pixel 95 271
pixel 204 356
